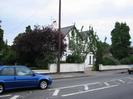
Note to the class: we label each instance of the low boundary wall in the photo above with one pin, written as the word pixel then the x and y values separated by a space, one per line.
pixel 67 68
pixel 114 67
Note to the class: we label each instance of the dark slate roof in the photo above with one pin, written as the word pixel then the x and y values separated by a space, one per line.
pixel 67 29
pixel 84 32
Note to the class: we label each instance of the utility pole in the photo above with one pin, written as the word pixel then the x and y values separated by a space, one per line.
pixel 59 46
pixel 0 22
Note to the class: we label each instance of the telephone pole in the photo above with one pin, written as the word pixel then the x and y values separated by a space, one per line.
pixel 59 46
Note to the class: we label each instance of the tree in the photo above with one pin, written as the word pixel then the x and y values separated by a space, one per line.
pixel 1 37
pixel 75 45
pixel 28 29
pixel 7 55
pixel 38 47
pixel 82 43
pixel 79 44
pixel 1 43
pixel 97 47
pixel 120 41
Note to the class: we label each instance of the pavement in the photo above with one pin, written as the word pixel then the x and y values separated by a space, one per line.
pixel 86 73
pixel 89 73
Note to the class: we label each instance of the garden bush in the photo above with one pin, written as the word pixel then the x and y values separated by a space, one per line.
pixel 109 60
pixel 74 59
pixel 127 60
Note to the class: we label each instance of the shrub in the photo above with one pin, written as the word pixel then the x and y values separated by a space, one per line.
pixel 127 60
pixel 74 59
pixel 62 61
pixel 109 60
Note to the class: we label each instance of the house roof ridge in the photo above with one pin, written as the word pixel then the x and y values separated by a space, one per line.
pixel 67 26
pixel 65 30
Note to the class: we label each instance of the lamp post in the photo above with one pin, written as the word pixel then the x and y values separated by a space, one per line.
pixel 59 46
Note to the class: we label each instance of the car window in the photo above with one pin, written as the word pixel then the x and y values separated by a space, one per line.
pixel 23 71
pixel 7 71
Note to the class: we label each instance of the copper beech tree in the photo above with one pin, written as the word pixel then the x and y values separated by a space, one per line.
pixel 38 46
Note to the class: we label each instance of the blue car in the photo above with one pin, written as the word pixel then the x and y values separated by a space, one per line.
pixel 12 77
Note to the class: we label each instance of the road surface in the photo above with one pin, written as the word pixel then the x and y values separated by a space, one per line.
pixel 114 86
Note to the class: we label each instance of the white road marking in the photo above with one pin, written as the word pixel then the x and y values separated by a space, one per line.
pixel 81 92
pixel 130 78
pixel 86 87
pixel 56 92
pixel 74 86
pixel 2 96
pixel 106 83
pixel 15 97
pixel 121 80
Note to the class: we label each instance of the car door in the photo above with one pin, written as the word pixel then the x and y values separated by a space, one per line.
pixel 25 77
pixel 7 74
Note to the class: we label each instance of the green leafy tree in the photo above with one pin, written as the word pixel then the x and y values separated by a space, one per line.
pixel 120 41
pixel 82 43
pixel 28 29
pixel 7 55
pixel 1 43
pixel 1 37
pixel 38 47
pixel 75 45
pixel 97 47
pixel 79 44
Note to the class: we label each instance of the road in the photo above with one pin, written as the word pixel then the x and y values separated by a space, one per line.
pixel 114 86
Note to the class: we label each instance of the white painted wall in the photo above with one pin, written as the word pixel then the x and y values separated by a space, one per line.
pixel 67 68
pixel 113 67
pixel 53 68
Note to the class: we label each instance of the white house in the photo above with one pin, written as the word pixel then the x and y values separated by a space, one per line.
pixel 89 61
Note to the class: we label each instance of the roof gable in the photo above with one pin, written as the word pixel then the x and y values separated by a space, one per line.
pixel 66 30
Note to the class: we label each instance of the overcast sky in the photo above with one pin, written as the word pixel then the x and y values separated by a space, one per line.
pixel 101 14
